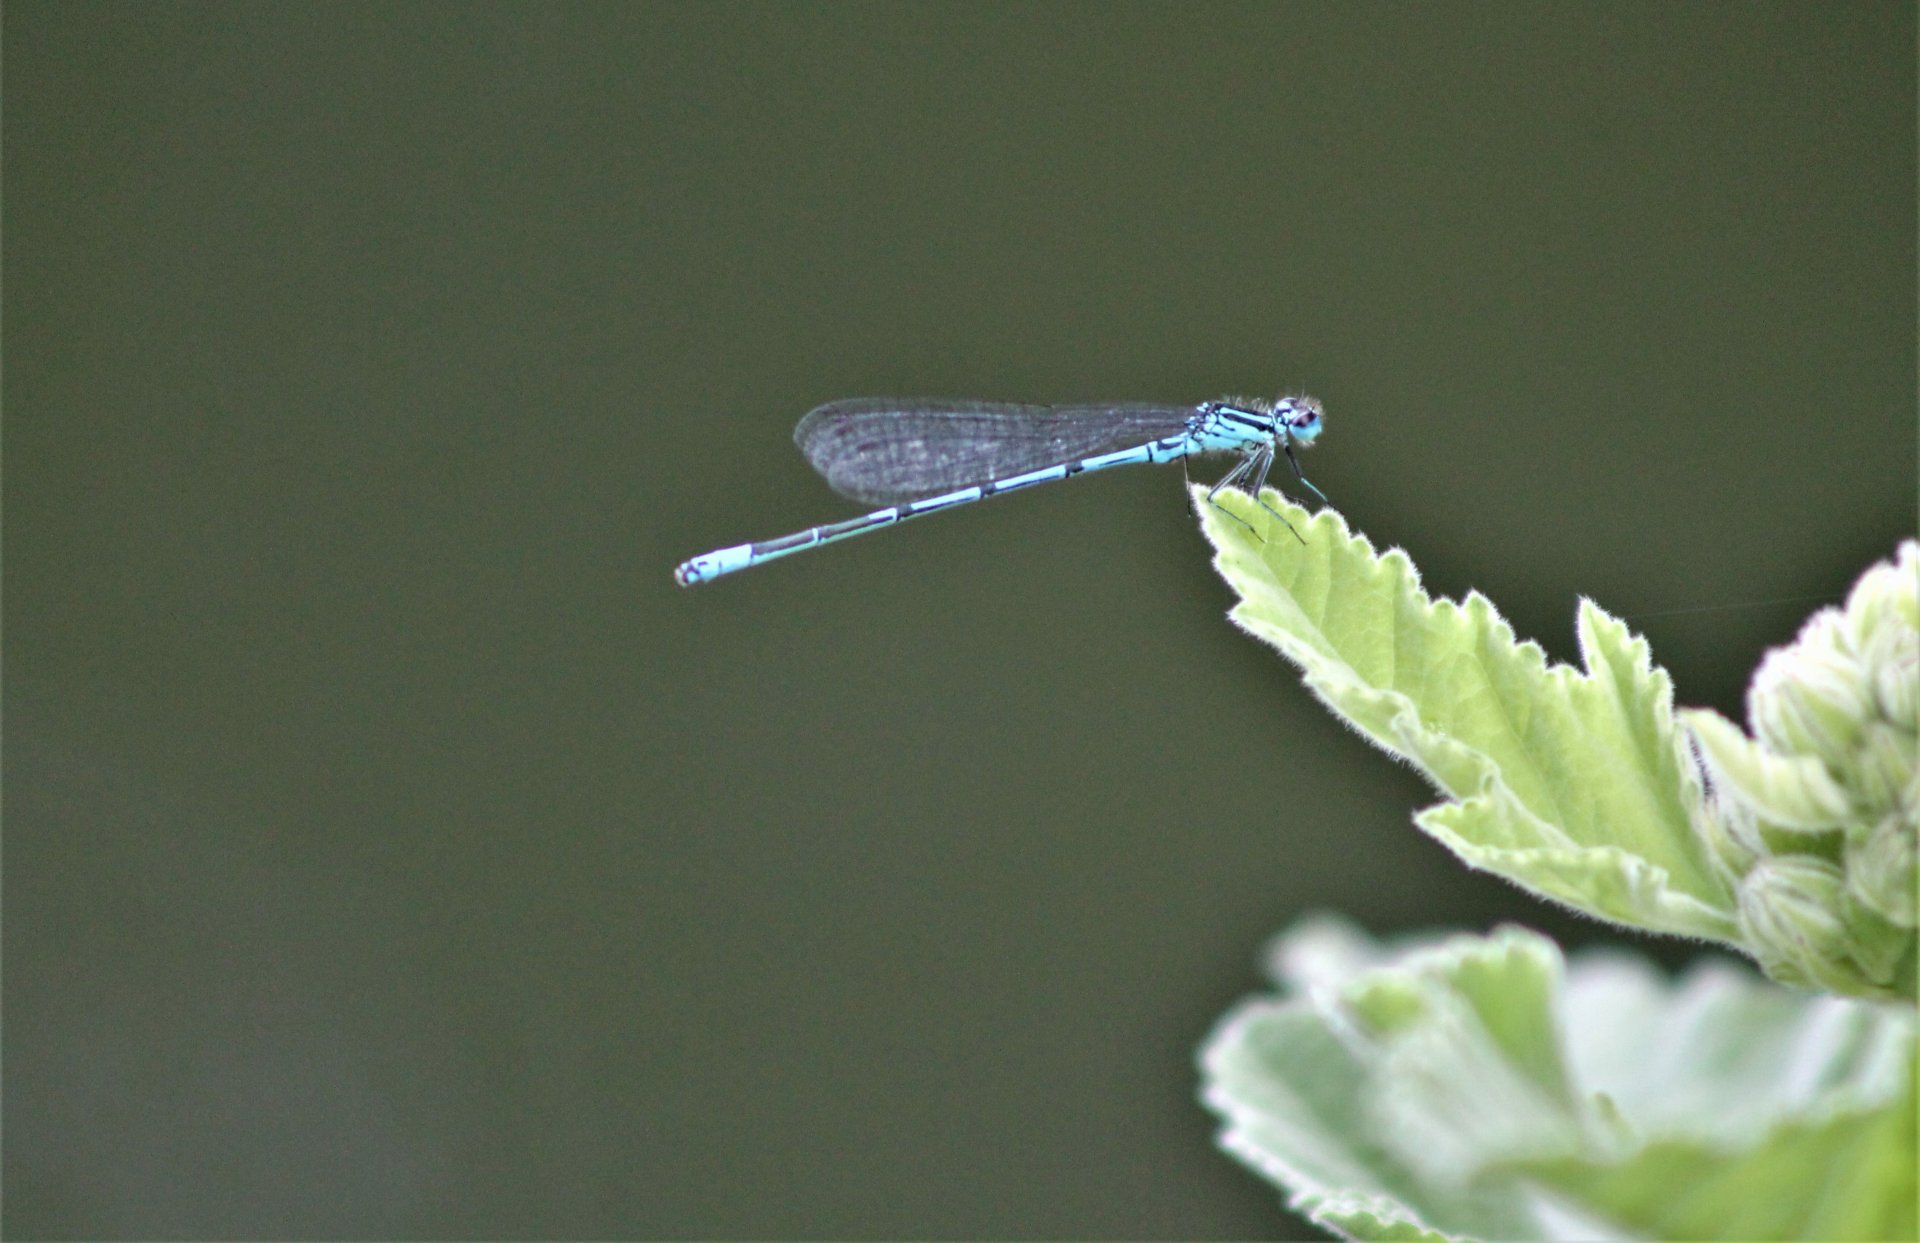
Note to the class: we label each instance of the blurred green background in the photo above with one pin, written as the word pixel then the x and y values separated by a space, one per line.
pixel 392 850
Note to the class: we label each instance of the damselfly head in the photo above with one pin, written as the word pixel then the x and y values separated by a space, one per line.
pixel 1300 416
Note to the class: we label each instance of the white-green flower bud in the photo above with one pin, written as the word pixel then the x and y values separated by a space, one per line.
pixel 1811 698
pixel 1891 655
pixel 1818 813
pixel 1882 871
pixel 1886 599
pixel 1882 770
pixel 1787 791
pixel 1791 919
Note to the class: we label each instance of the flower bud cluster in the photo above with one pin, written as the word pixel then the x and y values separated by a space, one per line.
pixel 1815 819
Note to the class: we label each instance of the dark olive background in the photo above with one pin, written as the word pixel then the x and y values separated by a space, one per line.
pixel 394 851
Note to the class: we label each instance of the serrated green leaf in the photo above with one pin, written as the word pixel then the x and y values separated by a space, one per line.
pixel 1501 1094
pixel 1570 783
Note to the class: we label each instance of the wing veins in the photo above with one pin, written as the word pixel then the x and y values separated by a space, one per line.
pixel 886 450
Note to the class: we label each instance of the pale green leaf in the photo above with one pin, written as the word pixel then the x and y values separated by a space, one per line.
pixel 1480 1088
pixel 1569 782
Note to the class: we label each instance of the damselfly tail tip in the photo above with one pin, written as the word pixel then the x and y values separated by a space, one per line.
pixel 711 565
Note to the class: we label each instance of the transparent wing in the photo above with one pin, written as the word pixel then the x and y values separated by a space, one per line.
pixel 889 449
